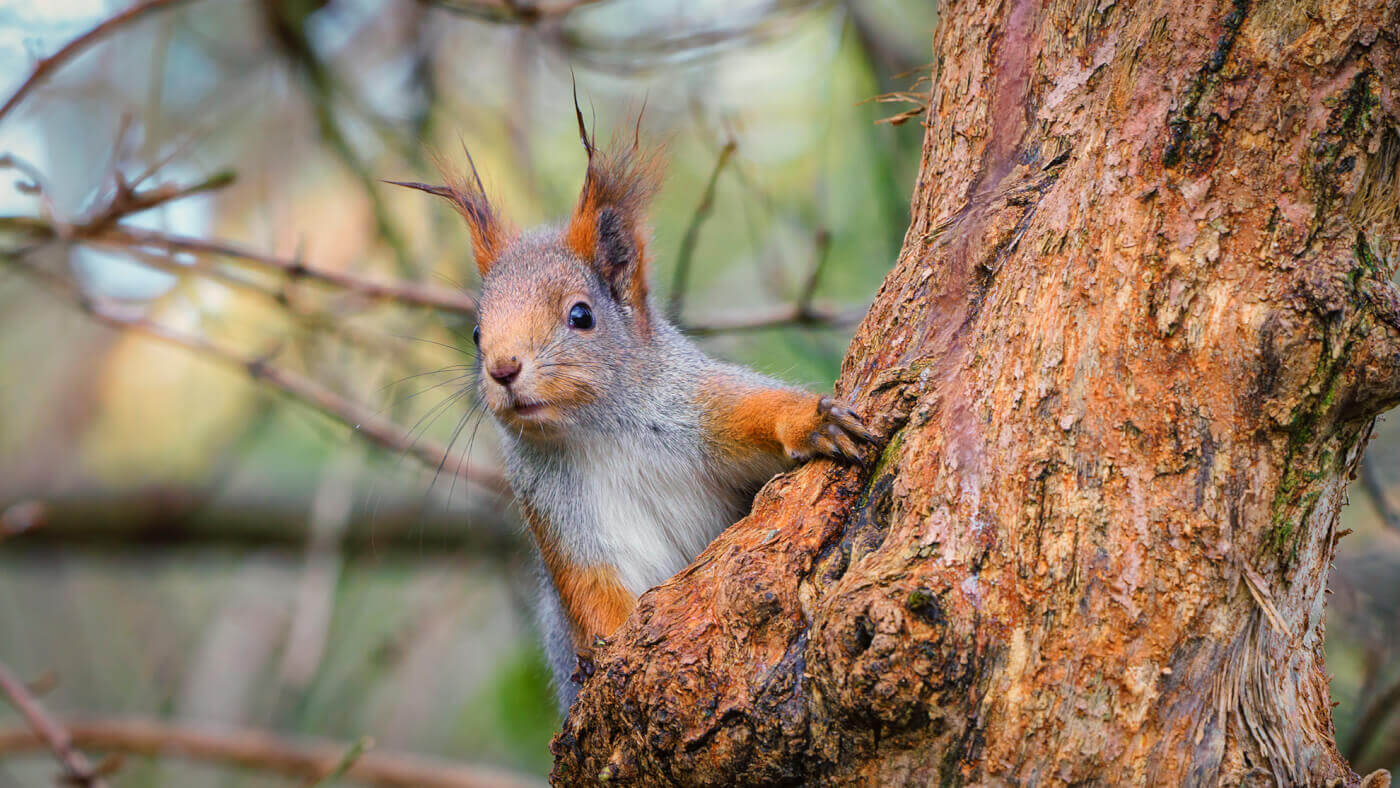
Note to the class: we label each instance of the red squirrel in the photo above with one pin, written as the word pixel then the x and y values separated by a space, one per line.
pixel 627 448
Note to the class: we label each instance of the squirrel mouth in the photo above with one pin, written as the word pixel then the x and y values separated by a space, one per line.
pixel 525 407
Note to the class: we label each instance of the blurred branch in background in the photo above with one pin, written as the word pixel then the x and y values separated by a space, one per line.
pixel 1375 490
pixel 681 42
pixel 47 65
pixel 287 23
pixel 512 11
pixel 1376 713
pixel 347 760
pixel 802 312
pixel 297 757
pixel 177 516
pixel 46 732
pixel 361 419
pixel 411 294
pixel 680 280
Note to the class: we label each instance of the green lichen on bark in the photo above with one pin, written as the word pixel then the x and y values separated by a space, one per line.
pixel 888 457
pixel 1351 120
pixel 1192 134
pixel 1307 462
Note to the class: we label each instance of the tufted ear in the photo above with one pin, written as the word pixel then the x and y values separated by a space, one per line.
pixel 489 233
pixel 608 227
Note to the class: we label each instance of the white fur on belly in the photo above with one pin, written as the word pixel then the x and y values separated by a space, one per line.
pixel 648 510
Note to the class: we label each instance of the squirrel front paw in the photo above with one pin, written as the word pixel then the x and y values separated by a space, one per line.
pixel 585 669
pixel 837 432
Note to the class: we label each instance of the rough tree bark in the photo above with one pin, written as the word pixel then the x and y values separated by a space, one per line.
pixel 1130 352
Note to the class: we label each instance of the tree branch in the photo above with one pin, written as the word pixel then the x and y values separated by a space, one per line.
pixel 297 757
pixel 1373 719
pixel 48 65
pixel 408 293
pixel 174 517
pixel 361 419
pixel 46 732
pixel 809 287
pixel 785 316
pixel 802 312
pixel 511 11
pixel 686 255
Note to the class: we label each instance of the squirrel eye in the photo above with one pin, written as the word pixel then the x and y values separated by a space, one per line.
pixel 476 335
pixel 580 316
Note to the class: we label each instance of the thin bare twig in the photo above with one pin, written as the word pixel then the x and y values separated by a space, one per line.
pixel 48 65
pixel 409 293
pixel 686 255
pixel 299 757
pixel 287 22
pixel 511 11
pixel 784 316
pixel 814 277
pixel 127 201
pixel 649 49
pixel 803 312
pixel 356 751
pixel 49 733
pixel 1374 716
pixel 359 418
pixel 104 225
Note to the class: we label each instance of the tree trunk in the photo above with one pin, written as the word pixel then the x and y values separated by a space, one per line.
pixel 1131 351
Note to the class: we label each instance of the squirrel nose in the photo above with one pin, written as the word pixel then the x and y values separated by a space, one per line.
pixel 503 372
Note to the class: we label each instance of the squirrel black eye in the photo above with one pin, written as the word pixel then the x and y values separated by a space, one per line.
pixel 476 335
pixel 580 316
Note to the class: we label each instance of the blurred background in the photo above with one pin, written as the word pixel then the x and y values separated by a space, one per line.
pixel 243 486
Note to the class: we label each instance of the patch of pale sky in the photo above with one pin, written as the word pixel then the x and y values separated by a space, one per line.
pixel 115 275
pixel 33 28
pixel 51 12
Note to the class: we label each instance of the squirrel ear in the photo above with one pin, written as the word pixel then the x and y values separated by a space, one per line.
pixel 490 234
pixel 619 258
pixel 608 226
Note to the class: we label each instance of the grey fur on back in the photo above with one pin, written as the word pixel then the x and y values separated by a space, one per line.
pixel 554 632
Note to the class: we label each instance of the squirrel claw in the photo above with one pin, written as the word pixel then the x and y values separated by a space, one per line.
pixel 846 419
pixel 840 433
pixel 585 670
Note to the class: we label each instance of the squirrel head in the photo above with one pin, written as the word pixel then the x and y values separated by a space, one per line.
pixel 562 309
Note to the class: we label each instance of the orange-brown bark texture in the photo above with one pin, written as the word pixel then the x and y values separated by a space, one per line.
pixel 1132 348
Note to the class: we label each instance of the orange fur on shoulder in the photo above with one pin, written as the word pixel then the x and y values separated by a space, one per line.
pixel 771 420
pixel 594 599
pixel 489 232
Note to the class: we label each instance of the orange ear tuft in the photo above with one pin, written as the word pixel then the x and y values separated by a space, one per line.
pixel 608 226
pixel 489 233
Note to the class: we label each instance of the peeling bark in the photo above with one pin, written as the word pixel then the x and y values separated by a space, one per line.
pixel 1133 346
